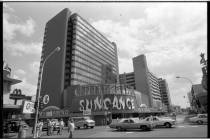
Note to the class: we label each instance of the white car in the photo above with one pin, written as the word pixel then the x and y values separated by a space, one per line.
pixel 133 123
pixel 83 122
pixel 163 121
pixel 199 119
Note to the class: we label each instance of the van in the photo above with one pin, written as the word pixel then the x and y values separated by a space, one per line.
pixel 85 122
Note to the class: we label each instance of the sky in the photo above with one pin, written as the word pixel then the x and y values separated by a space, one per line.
pixel 170 34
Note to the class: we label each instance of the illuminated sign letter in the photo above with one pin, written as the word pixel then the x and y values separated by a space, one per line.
pixel 105 101
pixel 132 104
pixel 81 105
pixel 127 103
pixel 97 104
pixel 122 102
pixel 115 103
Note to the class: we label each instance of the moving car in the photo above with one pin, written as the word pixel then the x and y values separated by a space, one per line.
pixel 199 119
pixel 163 121
pixel 133 123
pixel 83 122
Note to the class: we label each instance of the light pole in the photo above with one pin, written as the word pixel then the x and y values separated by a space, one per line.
pixel 193 95
pixel 57 49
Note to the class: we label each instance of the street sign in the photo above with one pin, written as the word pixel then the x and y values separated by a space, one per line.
pixel 87 112
pixel 46 99
pixel 28 107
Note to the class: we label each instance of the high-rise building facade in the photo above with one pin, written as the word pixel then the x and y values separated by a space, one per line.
pixel 146 82
pixel 166 99
pixel 143 81
pixel 84 53
pixel 128 79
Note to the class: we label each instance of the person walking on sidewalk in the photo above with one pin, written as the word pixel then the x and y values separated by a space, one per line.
pixel 68 124
pixel 61 125
pixel 22 129
pixel 48 127
pixel 71 128
pixel 40 128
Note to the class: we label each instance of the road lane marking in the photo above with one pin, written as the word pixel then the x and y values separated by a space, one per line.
pixel 194 126
pixel 129 132
pixel 180 126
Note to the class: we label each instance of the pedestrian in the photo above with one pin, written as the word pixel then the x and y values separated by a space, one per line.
pixel 68 124
pixel 8 128
pixel 48 127
pixel 52 125
pixel 71 130
pixel 21 129
pixel 40 128
pixel 174 116
pixel 61 125
pixel 37 129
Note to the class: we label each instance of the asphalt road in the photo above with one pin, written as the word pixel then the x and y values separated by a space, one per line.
pixel 179 131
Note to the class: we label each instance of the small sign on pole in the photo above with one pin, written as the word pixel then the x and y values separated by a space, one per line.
pixel 28 107
pixel 87 112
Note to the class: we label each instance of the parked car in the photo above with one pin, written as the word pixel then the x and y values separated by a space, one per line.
pixel 55 125
pixel 13 126
pixel 199 119
pixel 133 123
pixel 83 122
pixel 163 121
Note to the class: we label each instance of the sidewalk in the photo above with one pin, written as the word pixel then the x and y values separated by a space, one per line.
pixel 64 135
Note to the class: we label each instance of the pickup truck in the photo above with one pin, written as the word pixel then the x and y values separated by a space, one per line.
pixel 133 123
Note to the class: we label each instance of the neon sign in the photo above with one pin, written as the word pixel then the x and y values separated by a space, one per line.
pixel 100 103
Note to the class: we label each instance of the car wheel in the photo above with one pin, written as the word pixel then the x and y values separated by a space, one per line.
pixel 143 127
pixel 199 122
pixel 118 128
pixel 78 127
pixel 92 127
pixel 168 125
pixel 85 126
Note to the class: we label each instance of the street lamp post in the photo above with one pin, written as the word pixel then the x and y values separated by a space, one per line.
pixel 57 49
pixel 193 95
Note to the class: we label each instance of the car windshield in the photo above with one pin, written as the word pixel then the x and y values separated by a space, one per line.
pixel 87 118
pixel 122 120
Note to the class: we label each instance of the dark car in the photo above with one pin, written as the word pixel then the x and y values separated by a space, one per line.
pixel 13 126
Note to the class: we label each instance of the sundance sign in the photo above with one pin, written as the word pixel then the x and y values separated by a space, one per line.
pixel 107 103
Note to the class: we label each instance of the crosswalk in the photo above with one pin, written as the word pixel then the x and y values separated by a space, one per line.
pixel 185 126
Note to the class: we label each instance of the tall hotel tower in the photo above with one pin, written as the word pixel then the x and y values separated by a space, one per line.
pixel 84 57
pixel 146 82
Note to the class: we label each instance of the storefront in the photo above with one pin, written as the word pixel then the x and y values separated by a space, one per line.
pixel 103 102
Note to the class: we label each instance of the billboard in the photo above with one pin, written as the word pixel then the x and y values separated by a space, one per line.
pixel 28 107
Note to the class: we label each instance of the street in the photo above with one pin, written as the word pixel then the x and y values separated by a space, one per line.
pixel 179 131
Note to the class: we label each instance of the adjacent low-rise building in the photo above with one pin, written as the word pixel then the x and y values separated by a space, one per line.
pixel 164 91
pixel 201 97
pixel 145 82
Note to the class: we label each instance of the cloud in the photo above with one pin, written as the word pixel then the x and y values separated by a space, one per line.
pixel 34 65
pixel 20 48
pixel 7 7
pixel 172 36
pixel 20 71
pixel 26 28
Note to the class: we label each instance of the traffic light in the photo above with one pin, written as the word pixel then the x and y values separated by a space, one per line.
pixel 35 104
pixel 41 104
